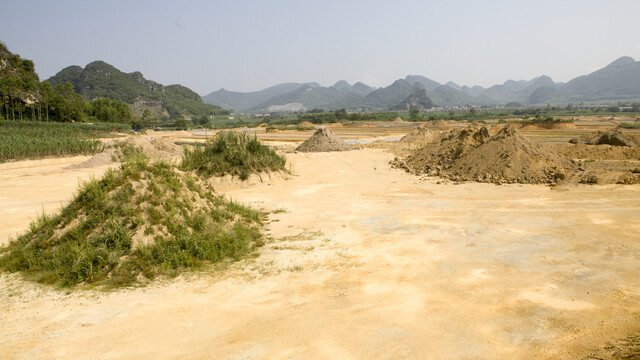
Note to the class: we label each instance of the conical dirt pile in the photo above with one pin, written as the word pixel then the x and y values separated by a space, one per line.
pixel 436 157
pixel 472 155
pixel 420 134
pixel 611 137
pixel 323 140
pixel 508 157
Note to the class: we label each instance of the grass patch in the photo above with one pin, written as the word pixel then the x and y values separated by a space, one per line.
pixel 233 154
pixel 627 125
pixel 34 139
pixel 136 223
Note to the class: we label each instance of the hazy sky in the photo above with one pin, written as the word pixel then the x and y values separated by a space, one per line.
pixel 249 45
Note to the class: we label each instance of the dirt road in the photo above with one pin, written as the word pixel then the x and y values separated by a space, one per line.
pixel 389 267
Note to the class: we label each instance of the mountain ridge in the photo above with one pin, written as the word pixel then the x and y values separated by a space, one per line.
pixel 99 79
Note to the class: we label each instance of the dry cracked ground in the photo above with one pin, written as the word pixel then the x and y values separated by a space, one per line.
pixel 365 262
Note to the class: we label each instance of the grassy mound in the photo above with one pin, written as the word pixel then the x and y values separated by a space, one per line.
pixel 138 222
pixel 233 154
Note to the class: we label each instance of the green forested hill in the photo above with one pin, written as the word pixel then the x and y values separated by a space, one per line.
pixel 101 80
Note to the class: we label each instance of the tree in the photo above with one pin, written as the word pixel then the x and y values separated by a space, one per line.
pixel 414 114
pixel 341 114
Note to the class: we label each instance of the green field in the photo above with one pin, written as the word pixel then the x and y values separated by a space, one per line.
pixel 33 139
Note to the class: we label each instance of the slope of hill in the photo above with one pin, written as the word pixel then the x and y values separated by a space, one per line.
pixel 473 91
pixel 542 95
pixel 418 100
pixel 310 97
pixel 240 101
pixel 425 82
pixel 445 95
pixel 390 96
pixel 340 95
pixel 619 80
pixel 101 80
pixel 515 91
pixel 18 79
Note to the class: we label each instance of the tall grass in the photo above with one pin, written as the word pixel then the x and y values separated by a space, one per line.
pixel 33 139
pixel 233 154
pixel 138 222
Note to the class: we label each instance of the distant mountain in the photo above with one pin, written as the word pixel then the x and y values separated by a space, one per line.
pixel 101 80
pixel 473 91
pixel 453 85
pixel 445 95
pixel 315 97
pixel 243 101
pixel 390 96
pixel 515 91
pixel 619 80
pixel 425 82
pixel 309 95
pixel 418 100
pixel 542 95
pixel 362 89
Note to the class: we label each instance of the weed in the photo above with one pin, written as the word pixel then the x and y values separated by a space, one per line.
pixel 234 154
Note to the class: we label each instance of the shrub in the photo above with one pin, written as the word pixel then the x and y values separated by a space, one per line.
pixel 233 154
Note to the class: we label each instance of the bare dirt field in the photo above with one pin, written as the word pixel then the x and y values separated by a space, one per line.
pixel 364 262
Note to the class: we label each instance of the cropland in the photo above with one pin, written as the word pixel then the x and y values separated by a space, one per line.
pixel 459 241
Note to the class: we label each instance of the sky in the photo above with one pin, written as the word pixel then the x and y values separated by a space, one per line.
pixel 248 45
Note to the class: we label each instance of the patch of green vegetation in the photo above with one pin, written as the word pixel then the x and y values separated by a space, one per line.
pixel 101 80
pixel 136 223
pixel 627 125
pixel 35 139
pixel 233 154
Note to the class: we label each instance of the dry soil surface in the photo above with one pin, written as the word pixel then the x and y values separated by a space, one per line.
pixel 369 262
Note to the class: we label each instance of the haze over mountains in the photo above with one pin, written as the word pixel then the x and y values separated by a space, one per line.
pixel 618 81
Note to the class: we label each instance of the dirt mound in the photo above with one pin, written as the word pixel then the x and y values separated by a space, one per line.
pixel 612 137
pixel 420 134
pixel 547 125
pixel 508 157
pixel 472 155
pixel 323 140
pixel 439 124
pixel 592 152
pixel 398 120
pixel 437 156
pixel 154 148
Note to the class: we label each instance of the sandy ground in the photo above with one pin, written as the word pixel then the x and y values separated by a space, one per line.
pixel 367 262
pixel 27 188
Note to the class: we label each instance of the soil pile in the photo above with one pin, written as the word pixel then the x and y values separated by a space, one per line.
pixel 436 157
pixel 612 137
pixel 153 148
pixel 439 124
pixel 420 134
pixel 508 157
pixel 323 140
pixel 472 155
